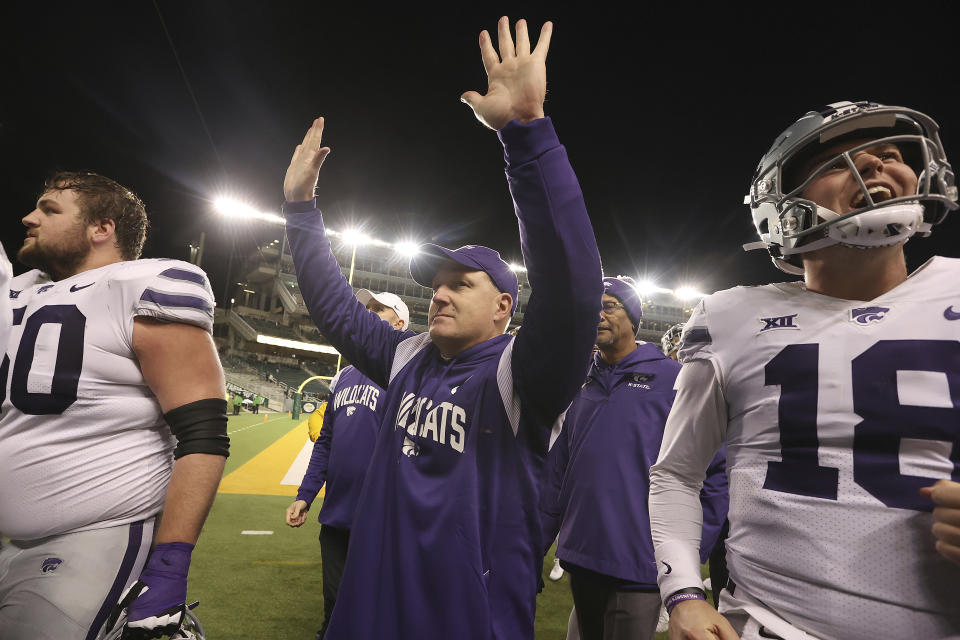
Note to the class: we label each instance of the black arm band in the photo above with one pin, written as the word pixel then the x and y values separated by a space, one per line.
pixel 200 427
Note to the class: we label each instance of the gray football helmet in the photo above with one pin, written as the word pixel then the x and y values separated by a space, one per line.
pixel 670 340
pixel 789 224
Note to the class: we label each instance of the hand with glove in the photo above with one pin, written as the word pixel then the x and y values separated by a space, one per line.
pixel 156 603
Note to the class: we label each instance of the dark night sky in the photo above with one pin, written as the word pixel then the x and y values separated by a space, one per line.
pixel 664 114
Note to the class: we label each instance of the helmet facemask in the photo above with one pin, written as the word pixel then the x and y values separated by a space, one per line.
pixel 790 224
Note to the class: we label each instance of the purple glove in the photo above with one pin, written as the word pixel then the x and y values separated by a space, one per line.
pixel 162 592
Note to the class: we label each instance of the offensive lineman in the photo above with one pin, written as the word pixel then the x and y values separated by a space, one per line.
pixel 342 453
pixel 446 542
pixel 834 413
pixel 113 409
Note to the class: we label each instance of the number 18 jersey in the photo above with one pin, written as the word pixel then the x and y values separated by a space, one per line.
pixel 83 444
pixel 838 413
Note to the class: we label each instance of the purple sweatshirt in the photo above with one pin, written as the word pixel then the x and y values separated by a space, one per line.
pixel 354 413
pixel 446 538
pixel 600 470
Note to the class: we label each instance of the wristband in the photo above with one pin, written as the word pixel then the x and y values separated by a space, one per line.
pixel 682 596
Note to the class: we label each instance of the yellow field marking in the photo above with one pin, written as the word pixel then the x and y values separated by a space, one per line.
pixel 264 473
pixel 288 563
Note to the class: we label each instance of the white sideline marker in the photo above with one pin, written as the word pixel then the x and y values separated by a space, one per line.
pixel 256 533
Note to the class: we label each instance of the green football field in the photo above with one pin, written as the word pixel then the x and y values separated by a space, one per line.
pixel 266 583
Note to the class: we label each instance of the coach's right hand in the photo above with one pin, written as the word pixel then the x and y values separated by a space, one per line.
pixel 697 620
pixel 297 513
pixel 300 182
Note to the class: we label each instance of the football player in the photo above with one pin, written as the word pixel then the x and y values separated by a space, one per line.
pixel 113 410
pixel 834 413
pixel 446 540
pixel 354 417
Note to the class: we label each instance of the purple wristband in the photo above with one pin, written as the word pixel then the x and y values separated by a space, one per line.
pixel 677 598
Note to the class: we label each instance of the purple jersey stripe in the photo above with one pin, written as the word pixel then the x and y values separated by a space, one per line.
pixel 697 335
pixel 172 300
pixel 183 274
pixel 123 575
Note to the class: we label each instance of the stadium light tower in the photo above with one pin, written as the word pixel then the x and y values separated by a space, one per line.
pixel 233 208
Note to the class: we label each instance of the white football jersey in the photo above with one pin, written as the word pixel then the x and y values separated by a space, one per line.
pixel 83 443
pixel 838 413
pixel 6 316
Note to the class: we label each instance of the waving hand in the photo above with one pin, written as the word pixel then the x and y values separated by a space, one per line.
pixel 516 78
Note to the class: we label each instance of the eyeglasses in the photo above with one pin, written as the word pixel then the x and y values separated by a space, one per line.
pixel 609 308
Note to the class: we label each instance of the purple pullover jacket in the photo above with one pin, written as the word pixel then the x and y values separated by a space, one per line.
pixel 446 537
pixel 354 413
pixel 599 476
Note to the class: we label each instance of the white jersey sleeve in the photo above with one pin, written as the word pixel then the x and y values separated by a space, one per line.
pixel 167 290
pixel 694 432
pixel 84 443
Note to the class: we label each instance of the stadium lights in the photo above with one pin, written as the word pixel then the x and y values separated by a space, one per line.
pixel 230 208
pixel 517 268
pixel 407 248
pixel 688 293
pixel 646 287
pixel 295 344
pixel 355 238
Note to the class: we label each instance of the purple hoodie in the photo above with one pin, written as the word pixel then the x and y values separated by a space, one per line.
pixel 600 470
pixel 354 413
pixel 446 537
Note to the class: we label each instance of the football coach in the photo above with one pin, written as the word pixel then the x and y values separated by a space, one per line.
pixel 446 540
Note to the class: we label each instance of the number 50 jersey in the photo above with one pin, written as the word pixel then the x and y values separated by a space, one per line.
pixel 83 444
pixel 838 413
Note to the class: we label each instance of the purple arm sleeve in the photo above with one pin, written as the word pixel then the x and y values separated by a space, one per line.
pixel 316 473
pixel 361 336
pixel 553 349
pixel 551 511
pixel 715 500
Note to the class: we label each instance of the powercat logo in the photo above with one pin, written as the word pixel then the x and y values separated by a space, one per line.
pixel 50 565
pixel 868 315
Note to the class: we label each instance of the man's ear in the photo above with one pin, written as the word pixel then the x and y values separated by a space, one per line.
pixel 504 306
pixel 103 231
pixel 399 325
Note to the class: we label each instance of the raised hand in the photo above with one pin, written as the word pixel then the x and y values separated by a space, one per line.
pixel 300 182
pixel 516 78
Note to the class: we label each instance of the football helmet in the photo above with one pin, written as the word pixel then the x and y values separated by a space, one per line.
pixel 789 224
pixel 670 340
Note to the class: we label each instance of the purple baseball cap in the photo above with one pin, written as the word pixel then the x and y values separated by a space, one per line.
pixel 624 289
pixel 426 263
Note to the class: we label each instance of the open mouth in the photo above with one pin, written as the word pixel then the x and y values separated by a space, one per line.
pixel 878 193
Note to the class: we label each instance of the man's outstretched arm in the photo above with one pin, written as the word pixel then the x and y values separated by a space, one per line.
pixel 361 336
pixel 552 352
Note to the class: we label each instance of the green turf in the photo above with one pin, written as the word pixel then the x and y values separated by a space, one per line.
pixel 269 586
